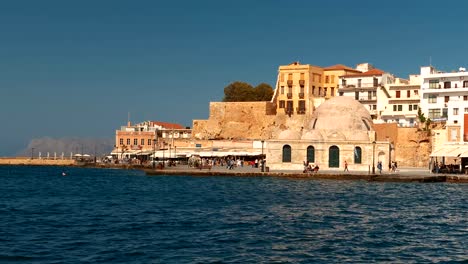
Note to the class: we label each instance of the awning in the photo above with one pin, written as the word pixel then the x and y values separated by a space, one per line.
pixel 451 151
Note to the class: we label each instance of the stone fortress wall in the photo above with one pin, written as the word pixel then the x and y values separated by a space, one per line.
pixel 258 120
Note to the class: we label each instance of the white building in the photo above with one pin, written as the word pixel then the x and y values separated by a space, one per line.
pixel 364 86
pixel 399 102
pixel 444 98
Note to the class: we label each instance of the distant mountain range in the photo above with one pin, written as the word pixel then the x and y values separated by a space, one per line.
pixel 68 146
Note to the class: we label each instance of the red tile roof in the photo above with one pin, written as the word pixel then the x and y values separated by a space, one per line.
pixel 167 125
pixel 340 67
pixel 373 72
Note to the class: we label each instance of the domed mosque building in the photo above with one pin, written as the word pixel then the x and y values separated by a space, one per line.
pixel 340 129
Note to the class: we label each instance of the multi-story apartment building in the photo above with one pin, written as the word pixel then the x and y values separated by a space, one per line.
pixel 365 85
pixel 300 87
pixel 145 137
pixel 444 98
pixel 399 102
pixel 297 84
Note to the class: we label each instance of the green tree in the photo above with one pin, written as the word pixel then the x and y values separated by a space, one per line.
pixel 238 92
pixel 421 116
pixel 263 92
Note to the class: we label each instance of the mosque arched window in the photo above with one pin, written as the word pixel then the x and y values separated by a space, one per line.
pixel 286 153
pixel 310 154
pixel 357 155
pixel 333 157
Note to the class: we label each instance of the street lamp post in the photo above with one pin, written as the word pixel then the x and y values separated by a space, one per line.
pixel 373 157
pixel 154 153
pixel 263 161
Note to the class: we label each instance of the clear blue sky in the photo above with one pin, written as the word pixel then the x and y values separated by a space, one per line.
pixel 76 68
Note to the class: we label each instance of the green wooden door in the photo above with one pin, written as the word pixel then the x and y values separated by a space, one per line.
pixel 334 157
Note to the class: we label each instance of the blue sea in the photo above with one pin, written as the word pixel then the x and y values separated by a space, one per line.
pixel 124 216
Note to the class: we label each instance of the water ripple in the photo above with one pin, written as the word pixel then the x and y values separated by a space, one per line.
pixel 116 216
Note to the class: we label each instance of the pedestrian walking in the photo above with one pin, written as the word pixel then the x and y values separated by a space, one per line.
pixel 346 166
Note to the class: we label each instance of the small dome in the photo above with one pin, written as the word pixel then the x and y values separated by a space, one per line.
pixel 341 113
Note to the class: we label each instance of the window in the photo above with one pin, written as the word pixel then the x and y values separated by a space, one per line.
pixel 408 93
pixel 359 83
pixel 128 141
pixel 135 141
pixel 415 107
pixel 397 94
pixel 447 85
pixel 444 112
pixel 310 154
pixel 332 79
pixel 394 108
pixel 286 153
pixel 410 107
pixel 289 89
pixel 434 113
pixel 302 89
pixel 446 99
pixel 432 99
pixel 357 155
pixel 465 98
pixel 455 111
pixel 327 79
pixel 332 91
pixel 149 142
pixel 465 84
pixel 281 104
pixel 142 141
pixel 400 108
pixel 121 141
pixel 324 91
pixel 356 95
pixel 415 92
pixel 343 82
pixel 313 90
pixel 433 84
pixel 320 91
pixel 376 82
pixel 466 110
pixel 282 89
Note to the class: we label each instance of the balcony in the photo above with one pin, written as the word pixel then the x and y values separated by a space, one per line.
pixel 301 95
pixel 288 111
pixel 366 86
pixel 367 98
pixel 300 111
pixel 301 82
pixel 289 95
pixel 290 82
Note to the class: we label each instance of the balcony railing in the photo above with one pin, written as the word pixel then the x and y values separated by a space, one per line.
pixel 367 98
pixel 289 95
pixel 301 95
pixel 362 85
pixel 301 82
pixel 288 111
pixel 290 82
pixel 300 111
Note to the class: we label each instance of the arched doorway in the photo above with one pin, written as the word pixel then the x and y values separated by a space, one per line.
pixel 286 153
pixel 333 157
pixel 310 154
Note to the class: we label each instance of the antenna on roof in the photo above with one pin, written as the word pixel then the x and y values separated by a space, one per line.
pixel 128 120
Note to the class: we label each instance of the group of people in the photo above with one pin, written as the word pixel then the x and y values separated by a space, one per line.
pixel 310 167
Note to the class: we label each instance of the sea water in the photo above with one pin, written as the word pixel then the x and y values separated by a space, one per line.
pixel 124 216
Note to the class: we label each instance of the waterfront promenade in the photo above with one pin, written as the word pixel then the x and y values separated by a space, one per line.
pixel 401 175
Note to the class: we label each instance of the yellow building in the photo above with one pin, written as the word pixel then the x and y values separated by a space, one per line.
pixel 300 85
pixel 296 86
pixel 331 78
